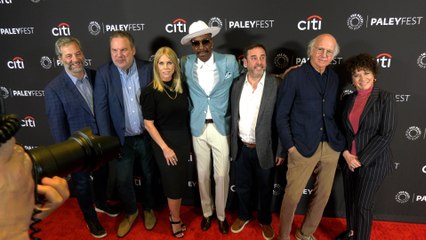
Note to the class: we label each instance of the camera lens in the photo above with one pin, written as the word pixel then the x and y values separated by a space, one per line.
pixel 81 152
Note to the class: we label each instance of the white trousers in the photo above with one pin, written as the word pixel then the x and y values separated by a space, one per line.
pixel 211 142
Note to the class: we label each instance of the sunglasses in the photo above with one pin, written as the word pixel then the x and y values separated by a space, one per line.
pixel 203 42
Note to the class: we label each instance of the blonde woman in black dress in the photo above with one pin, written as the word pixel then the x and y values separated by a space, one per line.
pixel 165 108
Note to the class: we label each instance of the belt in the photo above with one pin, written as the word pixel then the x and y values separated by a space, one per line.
pixel 208 121
pixel 137 136
pixel 249 145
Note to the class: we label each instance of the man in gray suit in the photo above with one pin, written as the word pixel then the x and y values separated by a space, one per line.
pixel 253 140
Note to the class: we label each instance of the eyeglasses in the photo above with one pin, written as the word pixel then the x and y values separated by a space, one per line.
pixel 320 51
pixel 203 42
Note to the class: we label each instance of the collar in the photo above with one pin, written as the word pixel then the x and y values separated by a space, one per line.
pixel 132 69
pixel 209 62
pixel 74 79
pixel 324 74
pixel 261 82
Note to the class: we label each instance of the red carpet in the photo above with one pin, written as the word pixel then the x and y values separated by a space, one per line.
pixel 67 223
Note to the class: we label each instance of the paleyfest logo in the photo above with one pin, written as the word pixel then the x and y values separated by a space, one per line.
pixel 421 60
pixel 355 21
pixel 413 133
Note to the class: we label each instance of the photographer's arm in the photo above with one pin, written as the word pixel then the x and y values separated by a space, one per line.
pixel 16 191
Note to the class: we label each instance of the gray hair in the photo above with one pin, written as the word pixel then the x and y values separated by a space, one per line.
pixel 62 41
pixel 313 41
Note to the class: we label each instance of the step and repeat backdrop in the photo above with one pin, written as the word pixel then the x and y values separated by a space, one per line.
pixel 393 32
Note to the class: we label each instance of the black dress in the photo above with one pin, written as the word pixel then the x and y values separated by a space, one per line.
pixel 171 118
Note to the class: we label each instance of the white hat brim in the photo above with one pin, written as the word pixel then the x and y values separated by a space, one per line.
pixel 187 39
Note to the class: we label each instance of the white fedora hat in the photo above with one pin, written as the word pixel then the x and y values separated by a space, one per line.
pixel 196 29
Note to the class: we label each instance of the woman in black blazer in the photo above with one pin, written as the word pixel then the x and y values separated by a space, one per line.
pixel 368 124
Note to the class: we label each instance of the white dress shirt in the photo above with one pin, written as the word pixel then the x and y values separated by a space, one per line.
pixel 208 76
pixel 249 109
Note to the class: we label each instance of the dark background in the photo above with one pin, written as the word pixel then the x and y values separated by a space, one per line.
pixel 29 28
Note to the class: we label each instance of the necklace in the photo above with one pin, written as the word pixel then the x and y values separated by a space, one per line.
pixel 171 90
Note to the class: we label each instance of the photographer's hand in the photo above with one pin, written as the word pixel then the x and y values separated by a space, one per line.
pixel 55 192
pixel 16 191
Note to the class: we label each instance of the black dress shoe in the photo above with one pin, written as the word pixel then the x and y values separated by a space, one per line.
pixel 346 235
pixel 223 226
pixel 206 223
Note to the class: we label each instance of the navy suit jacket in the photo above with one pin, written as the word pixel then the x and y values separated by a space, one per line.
pixel 377 125
pixel 108 97
pixel 66 108
pixel 303 111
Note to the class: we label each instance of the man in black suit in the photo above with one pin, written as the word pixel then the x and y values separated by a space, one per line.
pixel 69 107
pixel 307 128
pixel 118 113
pixel 253 142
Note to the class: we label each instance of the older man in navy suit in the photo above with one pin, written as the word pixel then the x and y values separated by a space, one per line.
pixel 306 122
pixel 118 113
pixel 69 106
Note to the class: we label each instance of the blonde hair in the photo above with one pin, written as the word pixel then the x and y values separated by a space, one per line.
pixel 176 81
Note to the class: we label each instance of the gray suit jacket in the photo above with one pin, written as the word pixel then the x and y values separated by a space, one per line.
pixel 266 135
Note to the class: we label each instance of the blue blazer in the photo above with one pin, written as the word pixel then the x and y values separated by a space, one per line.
pixel 108 97
pixel 218 99
pixel 302 111
pixel 66 108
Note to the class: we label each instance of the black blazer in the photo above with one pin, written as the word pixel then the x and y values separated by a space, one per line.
pixel 376 128
pixel 302 110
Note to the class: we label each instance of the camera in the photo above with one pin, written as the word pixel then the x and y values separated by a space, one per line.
pixel 83 151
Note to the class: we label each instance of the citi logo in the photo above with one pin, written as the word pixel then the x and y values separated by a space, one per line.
pixel 63 29
pixel 384 60
pixel 28 121
pixel 16 63
pixel 177 26
pixel 5 1
pixel 311 23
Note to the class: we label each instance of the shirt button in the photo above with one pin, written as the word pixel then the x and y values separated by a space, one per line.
pixel 321 129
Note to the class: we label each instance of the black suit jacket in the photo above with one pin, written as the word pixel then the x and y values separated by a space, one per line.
pixel 376 127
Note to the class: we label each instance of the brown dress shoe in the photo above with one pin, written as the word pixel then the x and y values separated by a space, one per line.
pixel 238 225
pixel 206 223
pixel 223 226
pixel 267 231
